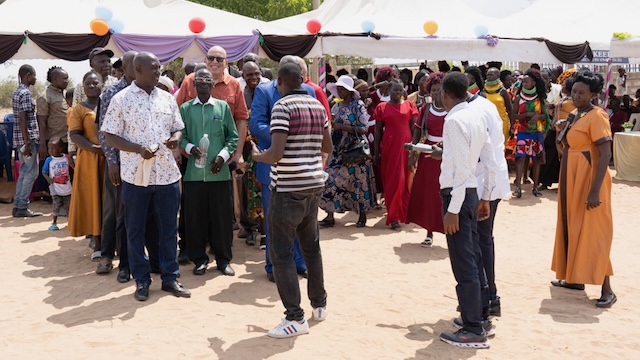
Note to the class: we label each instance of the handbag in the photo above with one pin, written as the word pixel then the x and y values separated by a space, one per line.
pixel 357 151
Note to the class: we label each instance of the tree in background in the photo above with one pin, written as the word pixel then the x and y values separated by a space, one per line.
pixel 266 10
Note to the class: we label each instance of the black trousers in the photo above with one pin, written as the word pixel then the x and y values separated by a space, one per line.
pixel 485 231
pixel 466 263
pixel 208 219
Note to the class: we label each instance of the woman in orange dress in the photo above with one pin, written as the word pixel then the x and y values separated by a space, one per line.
pixel 85 213
pixel 584 231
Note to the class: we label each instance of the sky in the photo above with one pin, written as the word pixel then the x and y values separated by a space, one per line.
pixel 76 69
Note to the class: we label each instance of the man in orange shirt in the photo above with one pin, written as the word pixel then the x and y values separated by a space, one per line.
pixel 226 88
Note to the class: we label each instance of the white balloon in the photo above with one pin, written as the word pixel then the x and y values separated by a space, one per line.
pixel 152 3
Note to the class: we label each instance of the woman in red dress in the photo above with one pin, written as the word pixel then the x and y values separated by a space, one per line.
pixel 425 204
pixel 394 121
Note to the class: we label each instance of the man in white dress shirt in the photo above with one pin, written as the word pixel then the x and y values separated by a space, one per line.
pixel 487 112
pixel 465 142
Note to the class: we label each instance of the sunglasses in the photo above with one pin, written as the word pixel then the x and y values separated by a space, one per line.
pixel 216 58
pixel 204 80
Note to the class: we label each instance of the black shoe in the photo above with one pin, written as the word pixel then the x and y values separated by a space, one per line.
pixel 176 289
pixel 227 270
pixel 487 325
pixel 183 259
pixel 606 303
pixel 124 275
pixel 326 223
pixel 564 284
pixel 494 310
pixel 303 273
pixel 271 277
pixel 25 213
pixel 463 338
pixel 200 269
pixel 142 292
pixel 251 239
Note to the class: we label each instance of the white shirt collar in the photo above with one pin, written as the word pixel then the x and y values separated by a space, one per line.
pixel 210 101
pixel 459 106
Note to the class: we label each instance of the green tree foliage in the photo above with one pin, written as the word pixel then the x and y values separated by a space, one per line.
pixel 266 10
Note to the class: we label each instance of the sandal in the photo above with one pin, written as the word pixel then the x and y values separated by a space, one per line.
pixel 536 192
pixel 96 256
pixel 395 225
pixel 518 192
pixel 427 242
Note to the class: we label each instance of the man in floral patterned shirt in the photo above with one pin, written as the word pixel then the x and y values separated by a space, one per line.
pixel 144 123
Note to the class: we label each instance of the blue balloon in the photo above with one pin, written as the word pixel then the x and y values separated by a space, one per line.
pixel 481 30
pixel 368 26
pixel 116 25
pixel 104 13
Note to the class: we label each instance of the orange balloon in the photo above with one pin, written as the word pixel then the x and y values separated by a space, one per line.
pixel 430 27
pixel 99 27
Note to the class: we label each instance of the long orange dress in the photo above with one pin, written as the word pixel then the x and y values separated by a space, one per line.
pixel 583 237
pixel 85 211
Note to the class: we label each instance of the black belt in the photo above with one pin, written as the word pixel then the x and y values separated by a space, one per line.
pixel 447 191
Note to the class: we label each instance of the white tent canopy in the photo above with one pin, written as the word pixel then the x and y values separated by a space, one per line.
pixel 147 17
pixel 566 22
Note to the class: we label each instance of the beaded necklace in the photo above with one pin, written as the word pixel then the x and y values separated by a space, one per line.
pixel 473 88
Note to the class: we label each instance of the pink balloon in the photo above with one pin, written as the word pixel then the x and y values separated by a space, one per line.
pixel 314 26
pixel 197 25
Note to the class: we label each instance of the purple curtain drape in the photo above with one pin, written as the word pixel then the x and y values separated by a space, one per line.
pixel 166 48
pixel 236 46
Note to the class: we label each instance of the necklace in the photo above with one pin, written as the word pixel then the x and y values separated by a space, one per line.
pixel 473 88
pixel 529 95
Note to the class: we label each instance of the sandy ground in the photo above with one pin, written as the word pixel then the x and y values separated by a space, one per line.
pixel 388 297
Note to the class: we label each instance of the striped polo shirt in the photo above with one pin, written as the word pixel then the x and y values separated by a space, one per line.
pixel 303 119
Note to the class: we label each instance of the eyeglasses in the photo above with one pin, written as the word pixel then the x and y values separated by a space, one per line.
pixel 216 58
pixel 204 80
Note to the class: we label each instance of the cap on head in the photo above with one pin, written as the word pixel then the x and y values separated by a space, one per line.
pixel 99 51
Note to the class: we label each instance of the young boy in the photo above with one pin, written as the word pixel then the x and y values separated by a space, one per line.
pixel 56 172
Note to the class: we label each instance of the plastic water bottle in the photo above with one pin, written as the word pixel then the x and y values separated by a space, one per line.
pixel 204 146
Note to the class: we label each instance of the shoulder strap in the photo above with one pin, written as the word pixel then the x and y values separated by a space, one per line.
pixel 423 127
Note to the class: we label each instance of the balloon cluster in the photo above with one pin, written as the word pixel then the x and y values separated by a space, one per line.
pixel 105 21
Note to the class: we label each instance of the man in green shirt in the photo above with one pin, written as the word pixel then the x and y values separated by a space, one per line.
pixel 207 190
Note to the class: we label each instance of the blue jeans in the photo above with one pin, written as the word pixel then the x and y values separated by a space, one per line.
pixel 466 262
pixel 297 254
pixel 291 214
pixel 485 231
pixel 28 175
pixel 163 202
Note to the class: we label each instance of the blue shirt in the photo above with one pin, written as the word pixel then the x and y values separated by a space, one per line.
pixel 112 154
pixel 264 97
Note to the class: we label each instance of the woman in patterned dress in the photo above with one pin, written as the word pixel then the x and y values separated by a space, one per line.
pixel 349 187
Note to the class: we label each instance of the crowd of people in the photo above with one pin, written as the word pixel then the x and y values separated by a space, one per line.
pixel 156 171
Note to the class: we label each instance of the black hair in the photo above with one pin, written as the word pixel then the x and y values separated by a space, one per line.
pixel 568 84
pixel 89 73
pixel 362 74
pixel 69 94
pixel 455 84
pixel 396 81
pixel 342 72
pixel 541 85
pixel 419 76
pixel 593 79
pixel 51 72
pixel 328 67
pixel 25 70
pixel 477 75
pixel 291 75
pixel 455 69
pixel 495 64
pixel 199 66
pixel 189 67
pixel 443 66
pixel 535 66
pixel 266 72
pixel 504 74
pixel 170 74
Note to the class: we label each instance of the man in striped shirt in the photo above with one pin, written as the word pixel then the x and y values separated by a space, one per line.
pixel 300 135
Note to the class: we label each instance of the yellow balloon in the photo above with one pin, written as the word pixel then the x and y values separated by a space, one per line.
pixel 99 27
pixel 430 27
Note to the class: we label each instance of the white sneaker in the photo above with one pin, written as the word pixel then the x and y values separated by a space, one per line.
pixel 289 328
pixel 320 313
